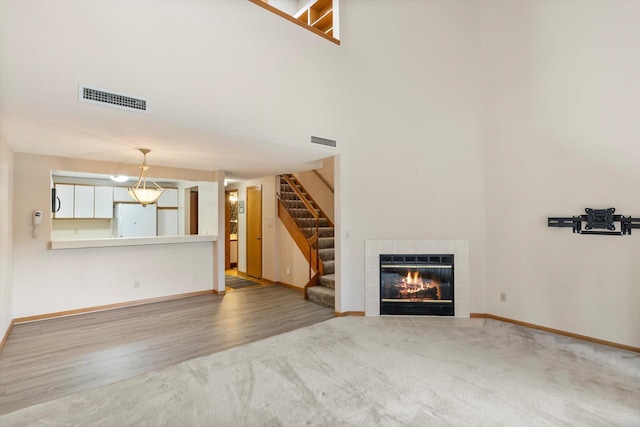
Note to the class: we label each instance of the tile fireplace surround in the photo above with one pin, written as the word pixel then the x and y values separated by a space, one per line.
pixel 373 249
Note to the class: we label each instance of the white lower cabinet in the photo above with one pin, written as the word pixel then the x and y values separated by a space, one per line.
pixel 167 222
pixel 168 199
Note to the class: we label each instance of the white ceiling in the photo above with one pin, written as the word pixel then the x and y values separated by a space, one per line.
pixel 49 48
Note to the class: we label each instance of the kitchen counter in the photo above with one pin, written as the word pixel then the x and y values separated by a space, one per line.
pixel 128 241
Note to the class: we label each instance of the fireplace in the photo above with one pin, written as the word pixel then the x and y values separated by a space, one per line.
pixel 416 284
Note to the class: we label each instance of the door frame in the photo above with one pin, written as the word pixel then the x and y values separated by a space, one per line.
pixel 227 229
pixel 251 207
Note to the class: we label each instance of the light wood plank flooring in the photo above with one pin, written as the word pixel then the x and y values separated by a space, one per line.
pixel 52 358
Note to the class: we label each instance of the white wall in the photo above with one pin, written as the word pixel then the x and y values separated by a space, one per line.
pixel 287 6
pixel 265 72
pixel 562 128
pixel 48 281
pixel 6 236
pixel 291 259
pixel 208 208
pixel 219 208
pixel 318 189
pixel 327 171
pixel 184 206
pixel 411 165
pixel 81 229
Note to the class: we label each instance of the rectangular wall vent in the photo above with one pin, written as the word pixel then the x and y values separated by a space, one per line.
pixel 112 99
pixel 323 141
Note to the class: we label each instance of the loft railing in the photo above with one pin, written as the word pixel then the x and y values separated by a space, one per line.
pixel 318 16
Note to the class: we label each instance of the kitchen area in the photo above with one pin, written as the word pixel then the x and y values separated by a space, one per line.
pixel 82 264
pixel 91 206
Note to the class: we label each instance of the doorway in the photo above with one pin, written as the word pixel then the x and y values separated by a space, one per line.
pixel 193 212
pixel 254 231
pixel 231 229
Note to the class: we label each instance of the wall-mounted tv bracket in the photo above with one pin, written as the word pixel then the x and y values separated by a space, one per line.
pixel 597 220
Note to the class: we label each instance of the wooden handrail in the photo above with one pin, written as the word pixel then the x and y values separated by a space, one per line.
pixel 317 213
pixel 312 200
pixel 302 198
pixel 313 240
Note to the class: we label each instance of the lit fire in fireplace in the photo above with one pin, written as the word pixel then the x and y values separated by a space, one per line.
pixel 414 286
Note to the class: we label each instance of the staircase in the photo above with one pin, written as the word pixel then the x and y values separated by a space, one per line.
pixel 312 231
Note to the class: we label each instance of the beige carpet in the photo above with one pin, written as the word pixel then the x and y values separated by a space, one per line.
pixel 358 371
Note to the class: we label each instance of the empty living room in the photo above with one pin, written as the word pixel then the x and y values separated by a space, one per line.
pixel 319 212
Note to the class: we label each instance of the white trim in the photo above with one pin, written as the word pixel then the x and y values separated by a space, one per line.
pixel 128 241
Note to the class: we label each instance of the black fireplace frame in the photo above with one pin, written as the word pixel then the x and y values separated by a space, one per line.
pixel 432 308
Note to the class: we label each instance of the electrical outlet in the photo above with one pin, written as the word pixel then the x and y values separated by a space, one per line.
pixel 136 284
pixel 288 271
pixel 503 297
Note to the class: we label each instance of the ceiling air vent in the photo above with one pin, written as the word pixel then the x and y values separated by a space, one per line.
pixel 112 99
pixel 323 141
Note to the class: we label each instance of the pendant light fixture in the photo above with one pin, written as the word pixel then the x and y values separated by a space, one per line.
pixel 143 195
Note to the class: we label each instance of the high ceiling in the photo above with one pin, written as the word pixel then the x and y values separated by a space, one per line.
pixel 49 48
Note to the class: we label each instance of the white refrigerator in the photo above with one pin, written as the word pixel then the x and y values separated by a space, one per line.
pixel 134 220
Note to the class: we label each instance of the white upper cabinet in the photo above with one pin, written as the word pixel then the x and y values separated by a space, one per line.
pixel 169 198
pixel 121 194
pixel 103 203
pixel 83 203
pixel 64 201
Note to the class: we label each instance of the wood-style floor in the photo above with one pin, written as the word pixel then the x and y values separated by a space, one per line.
pixel 52 358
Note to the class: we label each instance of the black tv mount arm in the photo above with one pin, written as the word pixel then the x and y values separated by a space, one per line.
pixel 596 222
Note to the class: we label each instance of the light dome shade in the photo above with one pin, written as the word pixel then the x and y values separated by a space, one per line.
pixel 119 178
pixel 145 196
pixel 139 192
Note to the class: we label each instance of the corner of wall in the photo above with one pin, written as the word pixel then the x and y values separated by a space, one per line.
pixel 6 238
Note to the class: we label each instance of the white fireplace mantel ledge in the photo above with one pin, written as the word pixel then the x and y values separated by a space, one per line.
pixel 129 241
